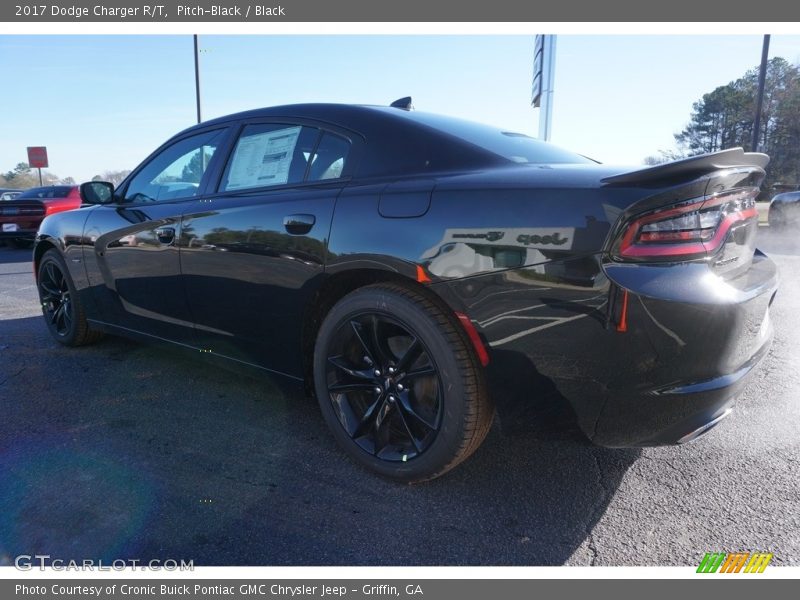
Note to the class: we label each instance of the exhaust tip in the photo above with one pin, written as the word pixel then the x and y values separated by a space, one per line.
pixel 693 435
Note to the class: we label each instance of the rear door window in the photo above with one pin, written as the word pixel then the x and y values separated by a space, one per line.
pixel 330 158
pixel 268 155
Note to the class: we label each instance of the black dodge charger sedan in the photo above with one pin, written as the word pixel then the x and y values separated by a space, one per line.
pixel 414 269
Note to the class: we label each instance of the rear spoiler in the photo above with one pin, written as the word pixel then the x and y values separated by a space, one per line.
pixel 694 166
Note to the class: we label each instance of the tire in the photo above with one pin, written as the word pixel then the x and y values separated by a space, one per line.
pixel 62 309
pixel 399 384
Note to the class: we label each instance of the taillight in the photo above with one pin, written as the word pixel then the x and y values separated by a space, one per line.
pixel 692 230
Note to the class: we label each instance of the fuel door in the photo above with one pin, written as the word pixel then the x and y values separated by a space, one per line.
pixel 406 199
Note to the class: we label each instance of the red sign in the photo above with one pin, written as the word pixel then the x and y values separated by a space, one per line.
pixel 37 157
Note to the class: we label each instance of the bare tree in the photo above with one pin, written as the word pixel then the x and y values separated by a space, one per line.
pixel 23 177
pixel 114 177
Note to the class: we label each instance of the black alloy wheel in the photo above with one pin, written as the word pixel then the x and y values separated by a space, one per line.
pixel 55 295
pixel 61 305
pixel 399 384
pixel 384 386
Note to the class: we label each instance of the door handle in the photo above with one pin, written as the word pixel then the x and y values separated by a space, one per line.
pixel 165 235
pixel 299 224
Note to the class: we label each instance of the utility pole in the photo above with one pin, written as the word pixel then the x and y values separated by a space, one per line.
pixel 197 76
pixel 544 64
pixel 762 78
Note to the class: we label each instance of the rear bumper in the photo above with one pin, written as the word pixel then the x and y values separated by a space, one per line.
pixel 674 414
pixel 692 340
pixel 25 226
pixel 706 336
pixel 21 234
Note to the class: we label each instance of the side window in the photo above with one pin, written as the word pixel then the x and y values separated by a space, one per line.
pixel 269 154
pixel 176 172
pixel 330 158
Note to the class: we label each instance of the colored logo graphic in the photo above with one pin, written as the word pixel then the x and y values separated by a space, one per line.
pixel 734 562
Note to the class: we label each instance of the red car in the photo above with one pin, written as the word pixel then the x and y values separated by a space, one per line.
pixel 20 217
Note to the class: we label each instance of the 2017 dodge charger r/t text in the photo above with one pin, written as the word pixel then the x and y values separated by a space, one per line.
pixel 413 269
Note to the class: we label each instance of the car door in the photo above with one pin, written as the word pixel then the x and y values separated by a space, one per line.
pixel 133 263
pixel 253 252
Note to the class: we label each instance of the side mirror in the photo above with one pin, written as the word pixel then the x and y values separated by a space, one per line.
pixel 97 192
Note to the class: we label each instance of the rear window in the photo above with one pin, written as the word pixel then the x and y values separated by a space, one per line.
pixel 515 147
pixel 56 191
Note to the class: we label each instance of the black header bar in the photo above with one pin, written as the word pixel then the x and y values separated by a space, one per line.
pixel 192 11
pixel 406 589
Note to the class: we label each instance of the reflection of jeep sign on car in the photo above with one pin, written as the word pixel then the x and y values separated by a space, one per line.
pixel 471 250
pixel 555 239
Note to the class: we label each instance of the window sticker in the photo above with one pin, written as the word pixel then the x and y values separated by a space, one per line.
pixel 263 159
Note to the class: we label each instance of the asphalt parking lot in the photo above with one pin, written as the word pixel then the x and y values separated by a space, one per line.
pixel 122 450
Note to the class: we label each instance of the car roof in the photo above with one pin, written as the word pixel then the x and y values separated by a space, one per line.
pixel 47 187
pixel 346 115
pixel 365 119
pixel 63 191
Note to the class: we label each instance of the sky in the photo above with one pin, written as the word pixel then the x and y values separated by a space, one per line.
pixel 105 102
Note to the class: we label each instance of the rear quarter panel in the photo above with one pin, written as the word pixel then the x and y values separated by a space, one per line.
pixel 481 223
pixel 517 257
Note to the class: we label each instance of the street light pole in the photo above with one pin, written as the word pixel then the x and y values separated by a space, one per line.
pixel 197 76
pixel 762 78
pixel 548 77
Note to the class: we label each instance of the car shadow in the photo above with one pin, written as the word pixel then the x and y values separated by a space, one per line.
pixel 128 451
